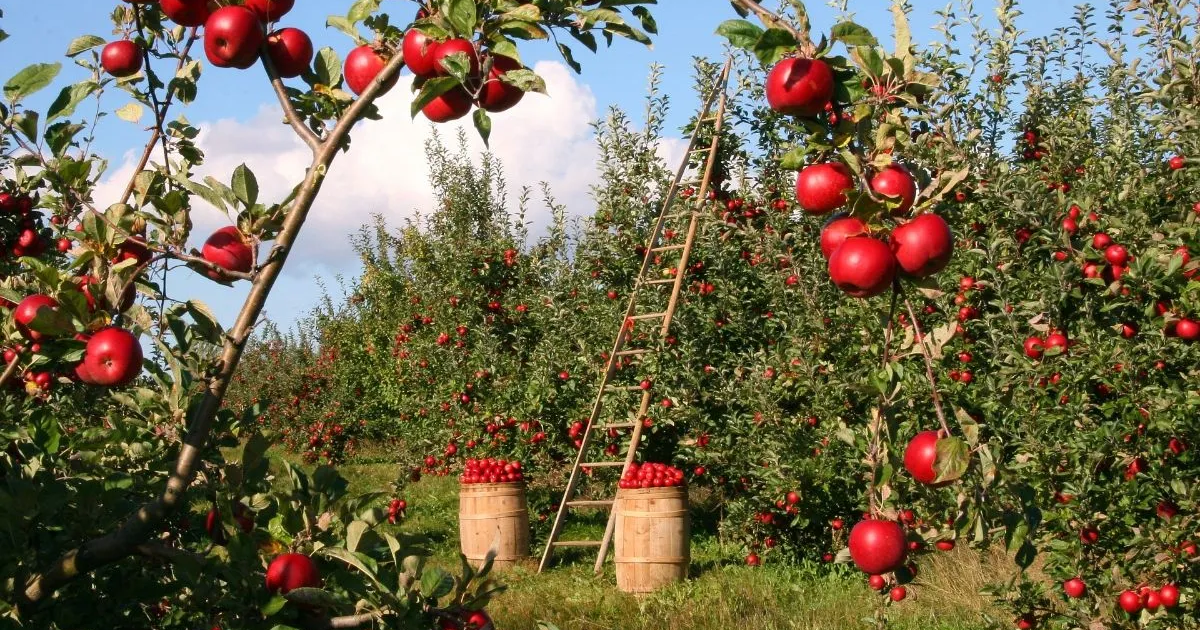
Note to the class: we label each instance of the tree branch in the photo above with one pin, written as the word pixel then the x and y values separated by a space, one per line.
pixel 289 112
pixel 9 371
pixel 937 399
pixel 773 20
pixel 141 524
pixel 349 621
pixel 159 551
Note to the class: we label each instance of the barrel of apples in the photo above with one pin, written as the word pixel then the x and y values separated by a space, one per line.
pixel 652 533
pixel 492 509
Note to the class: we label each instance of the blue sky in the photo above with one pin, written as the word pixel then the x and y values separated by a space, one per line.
pixel 237 113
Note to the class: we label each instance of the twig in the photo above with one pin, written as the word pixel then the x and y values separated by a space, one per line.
pixel 349 621
pixel 773 20
pixel 307 135
pixel 937 399
pixel 143 523
pixel 877 422
pixel 9 371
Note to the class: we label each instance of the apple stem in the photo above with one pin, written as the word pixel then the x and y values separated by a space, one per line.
pixel 933 390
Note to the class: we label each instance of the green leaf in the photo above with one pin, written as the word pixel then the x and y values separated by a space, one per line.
pixel 483 124
pixel 253 450
pixel 436 583
pixel 773 45
pixel 312 597
pixel 59 136
pixel 356 560
pixel 84 44
pixel 354 534
pixel 344 25
pixel 69 98
pixel 131 112
pixel 462 15
pixel 740 33
pixel 207 326
pixel 245 185
pixel 27 123
pixel 432 89
pixel 361 10
pixel 328 67
pixel 30 80
pixel 952 460
pixel 852 34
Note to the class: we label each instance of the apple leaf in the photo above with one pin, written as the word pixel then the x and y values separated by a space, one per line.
pixel 361 10
pixel 30 80
pixel 245 185
pixel 458 65
pixel 462 15
pixel 345 26
pixel 84 44
pixel 569 58
pixel 483 124
pixel 527 80
pixel 69 98
pixel 852 34
pixel 740 33
pixel 327 67
pixel 648 22
pixel 59 136
pixel 354 533
pixel 27 123
pixel 430 90
pixel 773 45
pixel 312 597
pixel 436 583
pixel 952 459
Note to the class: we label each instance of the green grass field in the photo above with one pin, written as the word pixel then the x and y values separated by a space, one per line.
pixel 723 593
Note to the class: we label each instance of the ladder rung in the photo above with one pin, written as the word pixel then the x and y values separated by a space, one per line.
pixel 623 388
pixel 595 504
pixel 709 119
pixel 648 315
pixel 661 281
pixel 701 150
pixel 680 215
pixel 667 248
pixel 575 543
pixel 602 464
pixel 618 425
pixel 635 352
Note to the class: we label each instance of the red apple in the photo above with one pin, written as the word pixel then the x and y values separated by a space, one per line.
pixel 291 571
pixel 418 51
pixel 478 620
pixel 1187 329
pixel 1116 255
pixel 862 266
pixel 920 456
pixel 1176 162
pixel 363 64
pixel 821 188
pixel 113 357
pixel 1169 596
pixel 897 184
pixel 232 37
pixel 837 230
pixel 452 105
pixel 185 12
pixel 270 10
pixel 923 246
pixel 1034 347
pixel 1057 340
pixel 1074 588
pixel 228 249
pixel 27 310
pixel 1130 602
pixel 877 546
pixel 291 51
pixel 898 594
pixel 753 560
pixel 1100 240
pixel 450 47
pixel 122 58
pixel 496 95
pixel 876 582
pixel 799 87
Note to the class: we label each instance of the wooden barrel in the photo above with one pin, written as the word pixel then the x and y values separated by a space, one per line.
pixel 652 538
pixel 488 510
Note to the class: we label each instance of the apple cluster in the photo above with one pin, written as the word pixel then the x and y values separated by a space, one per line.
pixel 492 471
pixel 862 262
pixel 651 475
pixel 396 510
pixel 21 232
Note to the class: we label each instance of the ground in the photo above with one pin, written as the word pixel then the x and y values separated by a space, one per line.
pixel 722 594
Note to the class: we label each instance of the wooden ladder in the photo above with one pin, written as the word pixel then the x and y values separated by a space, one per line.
pixel 712 116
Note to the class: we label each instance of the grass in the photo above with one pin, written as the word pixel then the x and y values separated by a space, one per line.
pixel 723 594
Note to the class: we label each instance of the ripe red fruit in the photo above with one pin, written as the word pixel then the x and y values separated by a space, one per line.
pixel 113 358
pixel 753 560
pixel 450 47
pixel 478 620
pixel 1034 347
pixel 185 12
pixel 837 230
pixel 1026 622
pixel 1169 596
pixel 212 523
pixel 945 545
pixel 27 310
pixel 452 105
pixel 1089 535
pixel 877 546
pixel 121 58
pixel 1074 588
pixel 1100 240
pixel 897 184
pixel 792 498
pixel 228 249
pixel 496 95
pixel 862 266
pixel 232 37
pixel 898 593
pixel 923 246
pixel 1187 329
pixel 270 10
pixel 1130 602
pixel 920 455
pixel 799 87
pixel 418 51
pixel 1116 255
pixel 1153 600
pixel 1176 162
pixel 291 51
pixel 363 64
pixel 291 571
pixel 876 582
pixel 821 188
pixel 1057 340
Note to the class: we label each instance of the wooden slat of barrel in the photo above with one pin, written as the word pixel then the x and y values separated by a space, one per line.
pixel 652 538
pixel 486 510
